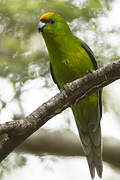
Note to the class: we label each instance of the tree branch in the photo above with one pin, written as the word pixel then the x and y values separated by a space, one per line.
pixel 15 132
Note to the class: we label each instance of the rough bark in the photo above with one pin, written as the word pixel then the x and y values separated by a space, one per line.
pixel 15 132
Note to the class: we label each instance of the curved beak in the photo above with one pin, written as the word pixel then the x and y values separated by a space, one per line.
pixel 41 25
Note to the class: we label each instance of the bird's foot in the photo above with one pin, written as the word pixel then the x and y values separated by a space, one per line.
pixel 76 101
pixel 89 71
pixel 67 92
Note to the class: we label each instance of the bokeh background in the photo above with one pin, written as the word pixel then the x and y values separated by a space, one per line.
pixel 25 83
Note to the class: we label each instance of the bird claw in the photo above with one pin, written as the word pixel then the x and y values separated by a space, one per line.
pixel 89 71
pixel 76 101
pixel 71 102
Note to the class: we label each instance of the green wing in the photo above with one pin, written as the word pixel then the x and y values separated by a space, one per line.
pixel 53 76
pixel 91 55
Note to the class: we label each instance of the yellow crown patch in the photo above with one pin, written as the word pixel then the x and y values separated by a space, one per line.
pixel 47 15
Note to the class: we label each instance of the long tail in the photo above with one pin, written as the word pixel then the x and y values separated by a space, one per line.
pixel 91 141
pixel 92 147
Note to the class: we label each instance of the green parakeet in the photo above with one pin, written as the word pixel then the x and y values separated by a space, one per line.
pixel 71 58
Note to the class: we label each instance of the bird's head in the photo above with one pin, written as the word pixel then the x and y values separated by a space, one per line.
pixel 52 24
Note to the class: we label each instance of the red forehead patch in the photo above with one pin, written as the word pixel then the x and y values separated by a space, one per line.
pixel 44 20
pixel 47 21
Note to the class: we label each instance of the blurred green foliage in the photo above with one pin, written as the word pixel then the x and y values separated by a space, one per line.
pixel 18 23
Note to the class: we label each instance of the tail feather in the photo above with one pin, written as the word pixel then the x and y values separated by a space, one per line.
pixel 92 149
pixel 90 136
pixel 91 167
pixel 87 116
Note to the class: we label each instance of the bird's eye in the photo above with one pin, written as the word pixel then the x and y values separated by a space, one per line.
pixel 52 21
